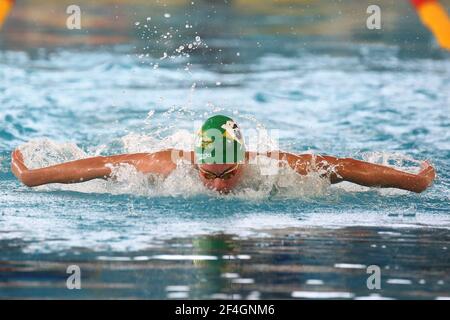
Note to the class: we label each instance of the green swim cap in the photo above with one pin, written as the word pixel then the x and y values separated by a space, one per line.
pixel 219 141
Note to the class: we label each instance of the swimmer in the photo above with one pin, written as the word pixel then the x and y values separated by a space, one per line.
pixel 220 158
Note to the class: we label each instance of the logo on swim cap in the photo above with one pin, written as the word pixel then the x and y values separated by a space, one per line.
pixel 219 140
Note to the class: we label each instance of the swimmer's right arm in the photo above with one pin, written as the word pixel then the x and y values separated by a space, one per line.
pixel 91 168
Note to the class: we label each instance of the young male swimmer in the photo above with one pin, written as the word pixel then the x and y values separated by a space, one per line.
pixel 220 158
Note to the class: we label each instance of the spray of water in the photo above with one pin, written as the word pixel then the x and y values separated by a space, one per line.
pixel 264 179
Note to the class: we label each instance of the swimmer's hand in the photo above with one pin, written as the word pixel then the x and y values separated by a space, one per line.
pixel 425 177
pixel 18 167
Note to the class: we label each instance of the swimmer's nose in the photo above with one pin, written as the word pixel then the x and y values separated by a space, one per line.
pixel 220 185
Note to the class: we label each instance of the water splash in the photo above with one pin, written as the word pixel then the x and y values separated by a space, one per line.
pixel 264 179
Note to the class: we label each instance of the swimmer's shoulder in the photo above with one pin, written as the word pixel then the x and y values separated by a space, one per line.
pixel 159 162
pixel 172 156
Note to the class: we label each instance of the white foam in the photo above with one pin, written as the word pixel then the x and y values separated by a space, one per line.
pixel 183 257
pixel 105 258
pixel 262 180
pixel 243 281
pixel 314 282
pixel 349 266
pixel 399 281
pixel 373 296
pixel 322 295
pixel 177 295
pixel 177 288
pixel 230 275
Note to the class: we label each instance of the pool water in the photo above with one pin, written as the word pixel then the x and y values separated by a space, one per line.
pixel 382 98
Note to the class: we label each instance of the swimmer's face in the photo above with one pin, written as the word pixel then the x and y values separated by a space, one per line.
pixel 220 177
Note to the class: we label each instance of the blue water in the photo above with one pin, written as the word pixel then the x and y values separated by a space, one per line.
pixel 383 101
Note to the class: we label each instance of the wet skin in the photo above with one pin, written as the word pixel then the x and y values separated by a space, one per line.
pixel 162 163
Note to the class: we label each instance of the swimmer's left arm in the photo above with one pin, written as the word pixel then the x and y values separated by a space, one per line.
pixel 361 172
